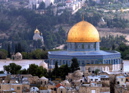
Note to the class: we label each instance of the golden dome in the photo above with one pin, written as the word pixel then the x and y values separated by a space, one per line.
pixel 36 31
pixel 83 32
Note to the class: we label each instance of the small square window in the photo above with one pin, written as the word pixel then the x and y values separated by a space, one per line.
pixel 96 79
pixel 122 79
pixel 18 88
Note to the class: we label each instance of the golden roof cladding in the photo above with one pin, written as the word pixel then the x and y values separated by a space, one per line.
pixel 36 31
pixel 83 32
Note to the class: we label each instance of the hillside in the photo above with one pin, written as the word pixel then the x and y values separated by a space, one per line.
pixel 17 25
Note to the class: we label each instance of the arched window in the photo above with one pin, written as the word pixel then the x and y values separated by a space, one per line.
pixel 95 46
pixel 82 46
pixel 109 62
pixel 79 46
pixel 61 91
pixel 75 45
pixel 64 62
pixel 86 46
pixel 59 62
pixel 92 62
pixel 83 64
pixel 53 62
pixel 91 46
pixel 88 62
pixel 70 45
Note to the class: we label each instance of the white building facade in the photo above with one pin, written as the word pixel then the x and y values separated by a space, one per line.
pixel 34 4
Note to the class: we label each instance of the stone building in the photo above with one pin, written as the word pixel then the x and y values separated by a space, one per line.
pixel 34 4
pixel 44 65
pixel 83 43
pixel 38 36
pixel 17 56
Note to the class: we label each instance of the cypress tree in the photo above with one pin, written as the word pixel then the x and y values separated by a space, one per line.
pixel 56 70
pixel 19 47
pixel 16 48
pixel 9 55
pixel 74 65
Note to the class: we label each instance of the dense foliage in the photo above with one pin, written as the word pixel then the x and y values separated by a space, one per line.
pixel 116 22
pixel 107 43
pixel 104 2
pixel 35 54
pixel 29 21
pixel 33 69
pixel 3 54
pixel 49 24
pixel 19 25
pixel 124 49
pixel 12 68
pixel 115 43
pixel 36 70
pixel 62 71
pixel 74 65
pixel 112 42
pixel 42 5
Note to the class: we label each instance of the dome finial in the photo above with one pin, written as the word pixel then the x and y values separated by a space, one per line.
pixel 83 16
pixel 36 30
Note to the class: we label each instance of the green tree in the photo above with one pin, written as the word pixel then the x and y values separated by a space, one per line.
pixel 63 71
pixel 74 65
pixel 19 47
pixel 1 72
pixel 23 71
pixel 35 54
pixel 50 74
pixel 37 44
pixel 9 55
pixel 32 69
pixel 42 5
pixel 35 70
pixel 12 68
pixel 38 54
pixel 3 54
pixel 16 48
pixel 25 55
pixel 55 71
pixel 67 69
pixel 41 72
pixel 124 49
pixel 96 71
pixel 4 25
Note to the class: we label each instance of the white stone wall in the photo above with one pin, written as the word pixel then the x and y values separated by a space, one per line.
pixel 121 80
pixel 37 3
pixel 93 78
